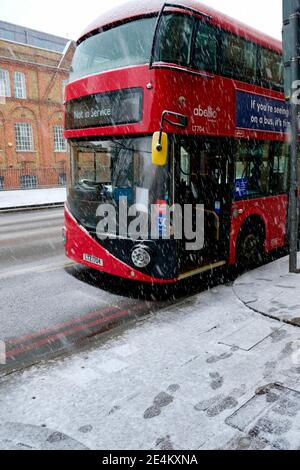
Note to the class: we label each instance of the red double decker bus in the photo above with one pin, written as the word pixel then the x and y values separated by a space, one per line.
pixel 175 103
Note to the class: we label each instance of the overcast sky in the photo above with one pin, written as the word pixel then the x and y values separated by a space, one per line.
pixel 68 18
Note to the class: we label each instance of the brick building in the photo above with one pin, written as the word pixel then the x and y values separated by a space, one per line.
pixel 32 76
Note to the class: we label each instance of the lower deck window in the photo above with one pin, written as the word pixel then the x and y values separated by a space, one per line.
pixel 28 182
pixel 261 168
pixel 62 179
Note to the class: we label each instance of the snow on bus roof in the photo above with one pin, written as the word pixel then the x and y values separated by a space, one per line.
pixel 135 8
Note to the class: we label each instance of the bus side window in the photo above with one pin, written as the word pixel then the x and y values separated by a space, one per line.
pixel 174 39
pixel 185 167
pixel 271 69
pixel 279 169
pixel 252 169
pixel 205 48
pixel 239 58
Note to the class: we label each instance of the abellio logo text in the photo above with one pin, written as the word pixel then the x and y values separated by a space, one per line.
pixel 208 113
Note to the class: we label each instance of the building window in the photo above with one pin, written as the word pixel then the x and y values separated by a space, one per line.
pixel 1 183
pixel 4 83
pixel 24 137
pixel 59 140
pixel 6 34
pixel 62 179
pixel 28 182
pixel 20 85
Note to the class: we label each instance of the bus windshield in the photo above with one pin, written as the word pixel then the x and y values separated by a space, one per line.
pixel 122 46
pixel 105 171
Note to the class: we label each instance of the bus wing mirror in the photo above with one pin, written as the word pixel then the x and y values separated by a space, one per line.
pixel 160 147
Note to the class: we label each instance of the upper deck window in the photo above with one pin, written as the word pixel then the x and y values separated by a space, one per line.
pixel 271 68
pixel 239 58
pixel 205 48
pixel 174 39
pixel 122 46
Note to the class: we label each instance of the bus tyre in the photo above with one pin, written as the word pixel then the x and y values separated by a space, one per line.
pixel 250 246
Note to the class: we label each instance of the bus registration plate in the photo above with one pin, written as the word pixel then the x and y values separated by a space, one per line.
pixel 93 260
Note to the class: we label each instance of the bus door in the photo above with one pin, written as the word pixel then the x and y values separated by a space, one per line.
pixel 203 175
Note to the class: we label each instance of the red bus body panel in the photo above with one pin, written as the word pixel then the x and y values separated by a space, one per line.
pixel 79 242
pixel 273 213
pixel 195 95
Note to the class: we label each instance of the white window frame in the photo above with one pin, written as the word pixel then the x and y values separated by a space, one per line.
pixel 60 144
pixel 20 85
pixel 5 90
pixel 24 137
pixel 28 182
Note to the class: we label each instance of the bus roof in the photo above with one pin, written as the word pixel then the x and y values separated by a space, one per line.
pixel 136 8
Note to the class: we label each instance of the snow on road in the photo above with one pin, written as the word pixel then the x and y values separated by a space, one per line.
pixel 31 197
pixel 196 375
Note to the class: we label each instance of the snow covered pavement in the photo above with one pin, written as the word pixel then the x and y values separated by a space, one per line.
pixel 207 373
pixel 31 197
pixel 272 291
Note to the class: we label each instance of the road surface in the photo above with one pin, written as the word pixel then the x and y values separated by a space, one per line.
pixel 49 305
pixel 30 239
pixel 48 300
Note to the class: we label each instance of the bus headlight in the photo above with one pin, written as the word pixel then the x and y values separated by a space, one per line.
pixel 141 257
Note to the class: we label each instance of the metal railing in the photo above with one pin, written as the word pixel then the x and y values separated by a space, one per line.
pixel 11 179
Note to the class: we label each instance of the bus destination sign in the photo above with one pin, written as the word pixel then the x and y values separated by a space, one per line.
pixel 105 109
